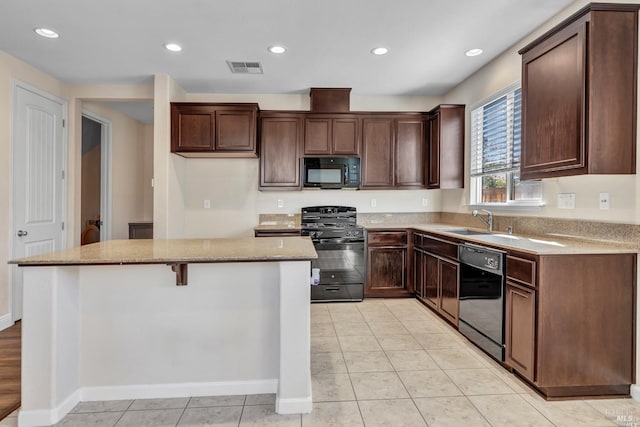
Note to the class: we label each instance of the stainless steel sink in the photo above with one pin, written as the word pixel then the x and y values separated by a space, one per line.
pixel 466 232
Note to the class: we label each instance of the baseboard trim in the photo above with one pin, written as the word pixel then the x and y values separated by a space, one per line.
pixel 44 417
pixel 6 321
pixel 158 391
pixel 294 406
pixel 635 392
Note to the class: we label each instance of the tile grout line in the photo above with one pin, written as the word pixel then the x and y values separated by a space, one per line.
pixel 183 411
pixel 121 415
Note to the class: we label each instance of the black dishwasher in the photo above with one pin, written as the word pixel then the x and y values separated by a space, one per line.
pixel 482 290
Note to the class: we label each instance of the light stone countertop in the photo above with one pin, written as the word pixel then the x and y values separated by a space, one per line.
pixel 183 251
pixel 537 245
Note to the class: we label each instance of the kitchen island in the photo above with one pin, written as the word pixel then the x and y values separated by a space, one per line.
pixel 130 319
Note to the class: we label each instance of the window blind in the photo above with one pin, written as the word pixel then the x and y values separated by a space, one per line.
pixel 495 135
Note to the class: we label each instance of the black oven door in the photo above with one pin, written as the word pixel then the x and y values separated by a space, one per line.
pixel 342 270
pixel 339 262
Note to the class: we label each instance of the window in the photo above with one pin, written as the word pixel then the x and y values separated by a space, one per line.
pixel 495 153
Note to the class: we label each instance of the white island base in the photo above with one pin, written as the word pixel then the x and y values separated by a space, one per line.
pixel 97 332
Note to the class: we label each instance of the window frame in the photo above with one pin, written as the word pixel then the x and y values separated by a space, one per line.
pixel 475 182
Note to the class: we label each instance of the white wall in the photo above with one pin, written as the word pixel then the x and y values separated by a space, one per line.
pixel 498 74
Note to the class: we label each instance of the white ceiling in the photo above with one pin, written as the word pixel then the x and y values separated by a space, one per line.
pixel 328 41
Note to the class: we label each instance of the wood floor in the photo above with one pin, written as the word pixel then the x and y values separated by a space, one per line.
pixel 10 344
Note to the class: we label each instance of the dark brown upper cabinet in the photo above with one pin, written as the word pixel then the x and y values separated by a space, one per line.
pixel 445 167
pixel 331 135
pixel 213 130
pixel 579 95
pixel 393 151
pixel 378 154
pixel 280 141
pixel 410 152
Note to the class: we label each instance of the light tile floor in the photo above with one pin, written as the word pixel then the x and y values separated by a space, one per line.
pixel 377 363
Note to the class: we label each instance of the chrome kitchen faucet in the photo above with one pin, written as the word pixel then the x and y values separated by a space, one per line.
pixel 488 220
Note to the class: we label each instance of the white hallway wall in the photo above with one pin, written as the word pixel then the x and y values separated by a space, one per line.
pixel 131 141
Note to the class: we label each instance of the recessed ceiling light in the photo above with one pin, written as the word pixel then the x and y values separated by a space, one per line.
pixel 277 49
pixel 45 32
pixel 379 50
pixel 173 47
pixel 473 52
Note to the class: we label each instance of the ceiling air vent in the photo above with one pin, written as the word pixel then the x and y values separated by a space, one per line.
pixel 245 67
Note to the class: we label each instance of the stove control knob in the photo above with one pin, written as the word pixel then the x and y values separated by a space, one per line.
pixel 492 263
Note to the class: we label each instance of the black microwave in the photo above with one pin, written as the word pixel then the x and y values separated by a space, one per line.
pixel 331 172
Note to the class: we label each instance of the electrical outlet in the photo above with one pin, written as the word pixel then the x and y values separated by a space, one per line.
pixel 374 203
pixel 567 201
pixel 604 200
pixel 207 204
pixel 280 203
pixel 425 201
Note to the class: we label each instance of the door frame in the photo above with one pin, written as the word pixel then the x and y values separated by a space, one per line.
pixel 16 86
pixel 105 173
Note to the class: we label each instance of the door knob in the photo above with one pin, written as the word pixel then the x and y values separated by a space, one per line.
pixel 22 233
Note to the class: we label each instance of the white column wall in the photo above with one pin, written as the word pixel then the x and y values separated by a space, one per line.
pixel 128 332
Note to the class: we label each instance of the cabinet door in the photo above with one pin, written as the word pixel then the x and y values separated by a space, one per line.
pixel 520 329
pixel 346 137
pixel 377 153
pixel 386 272
pixel 433 170
pixel 410 152
pixel 235 131
pixel 449 283
pixel 192 128
pixel 279 152
pixel 419 268
pixel 317 136
pixel 553 105
pixel 431 294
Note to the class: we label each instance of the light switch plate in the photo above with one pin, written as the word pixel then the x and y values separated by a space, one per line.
pixel 567 201
pixel 425 201
pixel 207 204
pixel 280 203
pixel 374 203
pixel 604 200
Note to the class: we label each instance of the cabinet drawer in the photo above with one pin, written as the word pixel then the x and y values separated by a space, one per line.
pixel 440 247
pixel 521 270
pixel 387 238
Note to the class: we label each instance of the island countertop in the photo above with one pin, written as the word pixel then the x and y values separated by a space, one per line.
pixel 161 251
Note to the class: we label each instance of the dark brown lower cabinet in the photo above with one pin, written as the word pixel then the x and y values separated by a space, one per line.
pixel 386 275
pixel 437 279
pixel 431 295
pixel 387 262
pixel 449 286
pixel 521 329
pixel 570 322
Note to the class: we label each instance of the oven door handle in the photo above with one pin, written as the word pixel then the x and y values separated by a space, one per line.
pixel 338 241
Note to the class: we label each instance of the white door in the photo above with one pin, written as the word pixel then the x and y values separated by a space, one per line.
pixel 38 190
